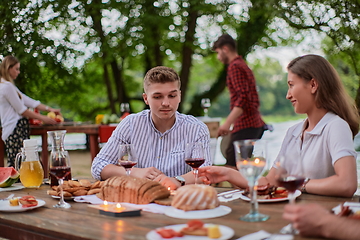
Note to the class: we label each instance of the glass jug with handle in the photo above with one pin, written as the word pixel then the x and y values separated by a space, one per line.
pixel 29 166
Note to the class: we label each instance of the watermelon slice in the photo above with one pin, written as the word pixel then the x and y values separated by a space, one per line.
pixel 8 175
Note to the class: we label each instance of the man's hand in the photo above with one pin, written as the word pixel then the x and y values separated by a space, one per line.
pixel 168 182
pixel 150 173
pixel 223 130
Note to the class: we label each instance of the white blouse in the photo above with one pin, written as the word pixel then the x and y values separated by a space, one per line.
pixel 12 106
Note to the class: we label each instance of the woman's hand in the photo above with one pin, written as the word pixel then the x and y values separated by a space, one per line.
pixel 213 174
pixel 48 120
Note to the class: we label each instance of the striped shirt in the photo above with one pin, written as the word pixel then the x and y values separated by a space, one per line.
pixel 242 87
pixel 164 151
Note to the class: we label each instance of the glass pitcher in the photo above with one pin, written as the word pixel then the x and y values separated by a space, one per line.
pixel 57 152
pixel 29 166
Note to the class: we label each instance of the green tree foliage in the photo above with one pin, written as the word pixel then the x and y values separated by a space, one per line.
pixel 339 20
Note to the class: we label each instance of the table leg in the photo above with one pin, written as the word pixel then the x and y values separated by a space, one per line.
pixel 94 145
pixel 45 154
pixel 2 153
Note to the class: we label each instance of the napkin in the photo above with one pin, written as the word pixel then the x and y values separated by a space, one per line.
pixel 151 207
pixel 262 235
pixel 229 196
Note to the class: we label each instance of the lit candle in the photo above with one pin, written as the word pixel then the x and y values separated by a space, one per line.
pixel 172 192
pixel 105 206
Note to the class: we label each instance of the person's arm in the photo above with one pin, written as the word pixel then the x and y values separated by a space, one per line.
pixel 343 183
pixel 43 107
pixel 224 129
pixel 216 174
pixel 312 220
pixel 45 119
pixel 111 170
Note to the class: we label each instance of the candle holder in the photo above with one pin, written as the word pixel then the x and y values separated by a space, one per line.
pixel 115 210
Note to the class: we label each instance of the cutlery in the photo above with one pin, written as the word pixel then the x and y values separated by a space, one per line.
pixel 228 194
pixel 8 197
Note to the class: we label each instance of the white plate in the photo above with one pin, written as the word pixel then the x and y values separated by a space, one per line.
pixel 11 188
pixel 5 206
pixel 354 206
pixel 65 198
pixel 245 198
pixel 199 214
pixel 226 233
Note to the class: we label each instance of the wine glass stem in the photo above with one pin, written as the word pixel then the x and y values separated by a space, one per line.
pixel 205 112
pixel 196 174
pixel 128 170
pixel 61 182
pixel 253 203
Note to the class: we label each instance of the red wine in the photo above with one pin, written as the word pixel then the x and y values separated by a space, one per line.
pixel 59 172
pixel 291 183
pixel 127 164
pixel 195 162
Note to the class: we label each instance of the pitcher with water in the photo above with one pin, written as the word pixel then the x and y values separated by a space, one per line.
pixel 29 166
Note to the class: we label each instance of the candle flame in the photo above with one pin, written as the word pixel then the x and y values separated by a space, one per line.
pixel 257 160
pixel 169 188
pixel 118 205
pixel 105 202
pixel 245 162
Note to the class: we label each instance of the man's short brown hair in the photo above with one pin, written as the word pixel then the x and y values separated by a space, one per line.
pixel 161 74
pixel 225 40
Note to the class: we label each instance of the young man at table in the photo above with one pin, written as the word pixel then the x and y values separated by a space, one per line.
pixel 159 135
pixel 312 220
pixel 244 100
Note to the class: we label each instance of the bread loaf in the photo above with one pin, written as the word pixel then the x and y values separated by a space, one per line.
pixel 195 197
pixel 132 190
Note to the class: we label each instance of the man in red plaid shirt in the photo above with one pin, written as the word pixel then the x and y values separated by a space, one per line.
pixel 244 100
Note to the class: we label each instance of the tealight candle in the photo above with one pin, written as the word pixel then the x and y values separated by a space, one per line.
pixel 172 192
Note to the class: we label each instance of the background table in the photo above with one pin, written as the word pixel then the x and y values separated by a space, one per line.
pixel 79 223
pixel 92 130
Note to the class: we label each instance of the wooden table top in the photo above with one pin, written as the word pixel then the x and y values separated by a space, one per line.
pixel 79 223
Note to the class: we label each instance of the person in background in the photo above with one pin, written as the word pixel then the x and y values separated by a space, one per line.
pixel 244 100
pixel 312 220
pixel 158 134
pixel 323 141
pixel 14 112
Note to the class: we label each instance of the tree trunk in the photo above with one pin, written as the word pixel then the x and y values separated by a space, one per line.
pixel 187 52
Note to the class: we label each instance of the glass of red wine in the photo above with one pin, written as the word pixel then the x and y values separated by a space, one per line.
pixel 60 169
pixel 195 156
pixel 291 180
pixel 127 157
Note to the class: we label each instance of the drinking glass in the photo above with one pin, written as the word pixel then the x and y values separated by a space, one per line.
pixel 251 162
pixel 291 181
pixel 127 158
pixel 60 168
pixel 205 104
pixel 124 107
pixel 195 156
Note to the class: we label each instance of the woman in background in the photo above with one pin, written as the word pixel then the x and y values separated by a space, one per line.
pixel 14 112
pixel 323 141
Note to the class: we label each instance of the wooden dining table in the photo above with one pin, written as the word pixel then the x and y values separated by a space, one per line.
pixel 78 222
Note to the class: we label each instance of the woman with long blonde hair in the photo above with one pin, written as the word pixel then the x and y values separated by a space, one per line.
pixel 14 112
